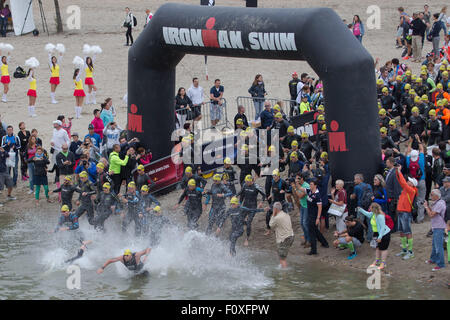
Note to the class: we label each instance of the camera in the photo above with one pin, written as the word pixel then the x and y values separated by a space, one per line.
pixel 85 162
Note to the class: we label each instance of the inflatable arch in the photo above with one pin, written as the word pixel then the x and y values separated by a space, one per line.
pixel 316 35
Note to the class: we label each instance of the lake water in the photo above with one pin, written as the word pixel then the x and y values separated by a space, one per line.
pixel 186 265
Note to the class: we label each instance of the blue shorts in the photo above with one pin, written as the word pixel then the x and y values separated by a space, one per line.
pixel 404 222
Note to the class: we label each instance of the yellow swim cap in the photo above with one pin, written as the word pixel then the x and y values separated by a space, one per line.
pixel 127 252
pixel 132 185
pixel 392 122
pixel 65 208
pixel 100 165
pixel 290 129
pixel 144 188
pixel 432 112
pixel 324 155
pixel 217 177
pixel 304 135
pixel 383 130
pixel 192 182
pixel 415 109
pixel 249 178
pixel 227 160
pixel 294 143
pixel 141 167
pixel 83 174
pixel 382 111
pixel 106 185
pixel 294 155
pixel 320 117
pixel 188 170
pixel 234 200
pixel 276 172
pixel 157 209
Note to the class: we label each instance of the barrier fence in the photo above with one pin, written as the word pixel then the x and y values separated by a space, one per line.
pixel 249 104
pixel 219 113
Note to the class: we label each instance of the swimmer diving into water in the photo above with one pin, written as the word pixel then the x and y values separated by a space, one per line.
pixel 131 260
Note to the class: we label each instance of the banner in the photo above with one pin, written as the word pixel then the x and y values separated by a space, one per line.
pixel 301 124
pixel 19 9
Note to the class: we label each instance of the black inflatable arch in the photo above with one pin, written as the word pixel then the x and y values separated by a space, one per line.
pixel 316 35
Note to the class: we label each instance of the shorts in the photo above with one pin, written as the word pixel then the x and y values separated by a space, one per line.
pixel 54 80
pixel 79 93
pixel 5 179
pixel 31 93
pixel 89 81
pixel 284 246
pixel 215 112
pixel 404 222
pixel 384 244
pixel 5 79
pixel 400 32
pixel 355 241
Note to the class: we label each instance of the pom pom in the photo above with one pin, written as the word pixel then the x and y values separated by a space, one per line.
pixel 8 47
pixel 78 62
pixel 96 50
pixel 2 46
pixel 60 48
pixel 32 62
pixel 49 47
pixel 87 49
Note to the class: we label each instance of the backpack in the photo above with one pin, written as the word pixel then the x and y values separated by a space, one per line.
pixel 134 21
pixel 414 169
pixel 414 206
pixel 366 197
pixel 389 221
pixel 20 73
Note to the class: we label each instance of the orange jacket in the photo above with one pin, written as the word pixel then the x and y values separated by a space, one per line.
pixel 446 115
pixel 404 204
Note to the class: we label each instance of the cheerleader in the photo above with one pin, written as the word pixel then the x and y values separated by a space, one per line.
pixel 5 77
pixel 78 93
pixel 89 80
pixel 32 93
pixel 54 63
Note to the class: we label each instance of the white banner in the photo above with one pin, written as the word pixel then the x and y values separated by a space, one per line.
pixel 18 11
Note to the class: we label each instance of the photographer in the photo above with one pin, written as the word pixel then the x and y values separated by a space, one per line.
pixel 86 165
pixel 65 160
pixel 87 147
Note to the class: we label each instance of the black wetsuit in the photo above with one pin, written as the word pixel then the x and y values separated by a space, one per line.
pixel 156 223
pixel 193 206
pixel 104 203
pixel 67 191
pixel 102 178
pixel 132 213
pixel 132 265
pixel 143 180
pixel 435 127
pixel 217 212
pixel 146 202
pixel 248 198
pixel 231 173
pixel 250 163
pixel 307 147
pixel 200 181
pixel 85 201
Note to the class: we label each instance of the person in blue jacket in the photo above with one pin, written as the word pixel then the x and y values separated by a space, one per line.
pixel 379 192
pixel 89 166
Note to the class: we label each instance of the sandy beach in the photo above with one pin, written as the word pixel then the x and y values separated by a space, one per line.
pixel 101 24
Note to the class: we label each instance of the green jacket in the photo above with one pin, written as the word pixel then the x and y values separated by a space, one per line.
pixel 115 162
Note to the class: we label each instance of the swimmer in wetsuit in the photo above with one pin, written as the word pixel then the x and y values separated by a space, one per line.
pixel 131 260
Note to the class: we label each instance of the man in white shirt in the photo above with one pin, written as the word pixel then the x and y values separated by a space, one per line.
pixel 129 24
pixel 280 222
pixel 59 138
pixel 300 86
pixel 196 94
pixel 112 133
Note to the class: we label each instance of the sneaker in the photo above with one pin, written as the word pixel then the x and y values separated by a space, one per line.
pixel 436 268
pixel 11 198
pixel 406 57
pixel 30 191
pixel 311 253
pixel 408 256
pixel 429 262
pixel 325 245
pixel 351 256
pixel 400 254
pixel 430 233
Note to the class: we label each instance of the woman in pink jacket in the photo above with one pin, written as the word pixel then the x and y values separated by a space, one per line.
pixel 98 123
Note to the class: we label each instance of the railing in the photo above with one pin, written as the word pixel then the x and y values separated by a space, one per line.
pixel 248 104
pixel 184 116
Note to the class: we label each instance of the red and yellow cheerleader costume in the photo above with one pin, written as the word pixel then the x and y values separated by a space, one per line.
pixel 32 91
pixel 55 74
pixel 79 92
pixel 89 80
pixel 5 74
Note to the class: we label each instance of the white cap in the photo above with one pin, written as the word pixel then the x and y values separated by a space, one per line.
pixel 413 181
pixel 58 122
pixel 414 155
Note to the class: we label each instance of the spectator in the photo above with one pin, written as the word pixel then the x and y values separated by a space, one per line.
pixel 418 33
pixel 404 209
pixel 382 233
pixel 74 145
pixel 258 92
pixel 434 34
pixel 23 135
pixel 31 149
pixel 437 214
pixel 351 237
pixel 267 116
pixel 280 222
pixel 5 177
pixel 299 188
pixel 60 137
pixel 87 147
pixel 363 194
pixel 95 137
pixel 40 173
pixel 5 13
pixel 437 170
pixel 97 122
pixel 34 133
pixel 196 94
pixel 240 115
pixel 129 24
pixel 379 192
pixel 183 107
pixel 88 166
pixel 339 198
pixel 293 92
pixel 11 144
pixel 115 166
pixel 143 157
pixel 415 163
pixel 303 81
pixel 66 126
pixel 148 17
pixel 112 134
pixel 358 28
pixel 108 112
pixel 216 96
pixel 65 160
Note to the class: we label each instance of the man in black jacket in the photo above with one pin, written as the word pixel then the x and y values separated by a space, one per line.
pixel 293 92
pixel 393 189
pixel 65 160
pixel 418 32
pixel 241 115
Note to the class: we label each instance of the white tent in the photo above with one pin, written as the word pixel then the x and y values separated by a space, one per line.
pixel 19 10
